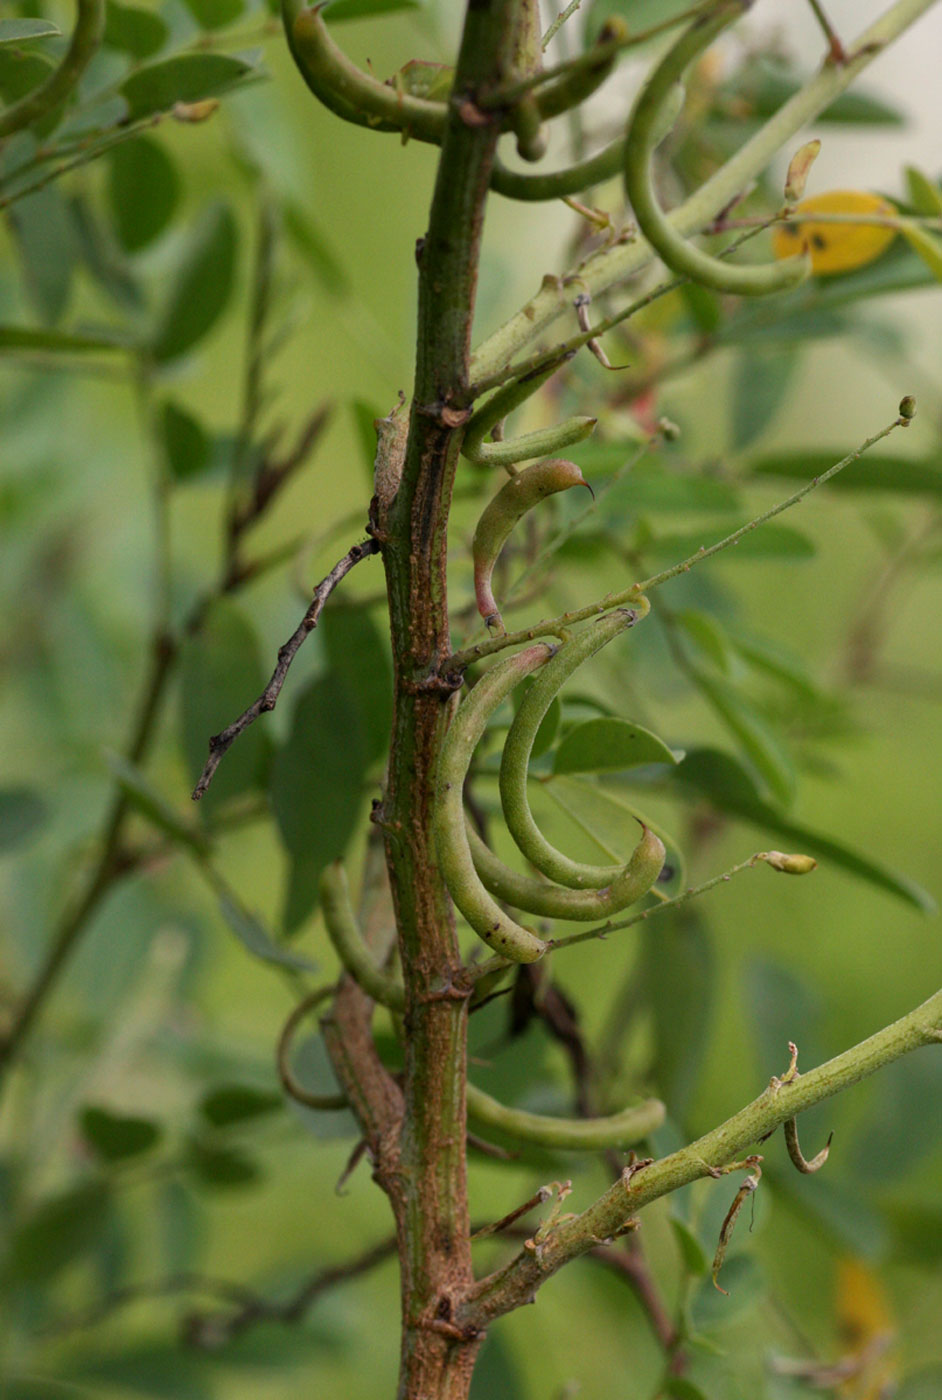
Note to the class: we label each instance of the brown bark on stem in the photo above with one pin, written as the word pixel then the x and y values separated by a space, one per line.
pixel 424 1171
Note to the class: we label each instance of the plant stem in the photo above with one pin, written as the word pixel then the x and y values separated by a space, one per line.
pixel 426 1177
pixel 517 1282
pixel 85 42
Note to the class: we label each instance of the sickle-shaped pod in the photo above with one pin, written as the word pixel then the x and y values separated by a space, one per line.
pixel 519 744
pixel 518 495
pixel 346 90
pixel 520 449
pixel 644 126
pixel 575 1134
pixel 357 97
pixel 556 184
pixel 553 902
pixel 482 912
pixel 622 1129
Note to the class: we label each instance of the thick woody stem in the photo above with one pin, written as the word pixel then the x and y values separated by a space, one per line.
pixel 437 1357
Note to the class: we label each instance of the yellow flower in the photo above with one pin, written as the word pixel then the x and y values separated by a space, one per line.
pixel 837 247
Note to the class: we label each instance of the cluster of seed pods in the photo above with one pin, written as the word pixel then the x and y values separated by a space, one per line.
pixel 476 878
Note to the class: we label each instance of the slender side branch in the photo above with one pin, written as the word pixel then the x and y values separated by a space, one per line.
pixel 210 1331
pixel 220 743
pixel 686 564
pixel 776 859
pixel 516 1283
pixel 86 41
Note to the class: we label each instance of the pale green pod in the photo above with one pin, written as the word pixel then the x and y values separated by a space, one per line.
pixel 586 74
pixel 541 443
pixel 529 445
pixel 556 184
pixel 482 912
pixel 519 744
pixel 645 129
pixel 348 941
pixel 551 901
pixel 346 90
pixel 623 1129
pixel 528 128
pixel 520 494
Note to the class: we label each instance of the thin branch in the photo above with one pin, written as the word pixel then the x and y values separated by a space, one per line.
pixel 558 23
pixel 506 1221
pixel 706 553
pixel 220 743
pixel 210 1331
pixel 483 969
pixel 296 1091
pixel 516 1283
pixel 836 52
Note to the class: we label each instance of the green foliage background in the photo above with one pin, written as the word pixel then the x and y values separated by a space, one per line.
pixel 121 1162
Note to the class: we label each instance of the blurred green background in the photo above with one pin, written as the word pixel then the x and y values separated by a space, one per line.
pixel 162 1005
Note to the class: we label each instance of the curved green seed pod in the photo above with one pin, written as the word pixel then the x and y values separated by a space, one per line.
pixel 527 125
pixel 551 902
pixel 529 445
pixel 84 44
pixel 516 757
pixel 349 943
pixel 346 90
pixel 520 449
pixel 520 494
pixel 485 916
pixel 578 1134
pixel 555 184
pixel 644 131
pixel 586 74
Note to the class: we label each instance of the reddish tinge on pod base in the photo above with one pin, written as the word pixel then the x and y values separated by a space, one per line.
pixel 513 500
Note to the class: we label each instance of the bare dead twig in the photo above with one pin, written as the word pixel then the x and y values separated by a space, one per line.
pixel 208 1331
pixel 221 742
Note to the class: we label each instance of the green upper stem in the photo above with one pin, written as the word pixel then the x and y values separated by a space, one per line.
pixel 85 43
